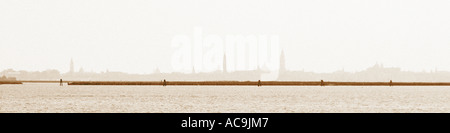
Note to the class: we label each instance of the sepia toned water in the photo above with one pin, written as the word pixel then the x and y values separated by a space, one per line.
pixel 212 99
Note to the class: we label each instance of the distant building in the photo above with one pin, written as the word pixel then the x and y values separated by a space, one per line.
pixel 379 68
pixel 224 63
pixel 81 70
pixel 157 71
pixel 72 68
pixel 4 78
pixel 282 62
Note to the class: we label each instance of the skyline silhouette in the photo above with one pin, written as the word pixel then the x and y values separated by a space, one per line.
pixel 377 72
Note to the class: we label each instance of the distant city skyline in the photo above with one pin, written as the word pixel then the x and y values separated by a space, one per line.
pixel 282 68
pixel 377 72
pixel 72 69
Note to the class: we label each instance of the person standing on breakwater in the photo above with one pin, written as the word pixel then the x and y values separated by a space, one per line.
pixel 60 82
pixel 259 83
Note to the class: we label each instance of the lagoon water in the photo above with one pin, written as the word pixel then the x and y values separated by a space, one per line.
pixel 212 99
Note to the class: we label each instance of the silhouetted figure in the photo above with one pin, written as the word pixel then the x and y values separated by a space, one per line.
pixel 390 83
pixel 60 82
pixel 321 83
pixel 164 83
pixel 259 83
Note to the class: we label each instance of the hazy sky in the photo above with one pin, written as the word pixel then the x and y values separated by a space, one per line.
pixel 135 36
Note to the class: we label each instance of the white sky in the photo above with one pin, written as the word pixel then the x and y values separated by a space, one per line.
pixel 134 36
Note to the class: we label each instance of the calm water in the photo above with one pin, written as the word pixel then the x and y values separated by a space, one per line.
pixel 54 98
